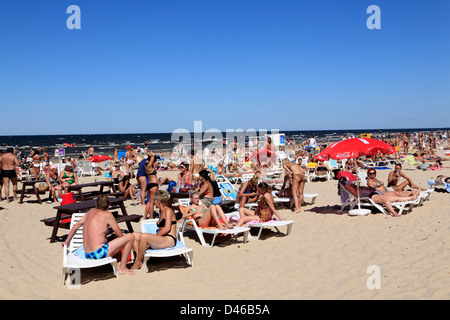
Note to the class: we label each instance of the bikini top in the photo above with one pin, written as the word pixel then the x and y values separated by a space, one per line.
pixel 195 210
pixel 162 223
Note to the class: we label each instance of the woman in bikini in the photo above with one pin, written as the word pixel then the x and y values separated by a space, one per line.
pixel 166 234
pixel 265 209
pixel 248 192
pixel 152 185
pixel 206 189
pixel 204 216
pixel 373 182
pixel 382 198
pixel 298 182
pixel 67 177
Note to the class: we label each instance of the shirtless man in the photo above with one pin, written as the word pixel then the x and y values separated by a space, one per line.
pixel 91 151
pixel 394 177
pixel 96 223
pixel 130 156
pixel 37 165
pixel 185 177
pixel 8 165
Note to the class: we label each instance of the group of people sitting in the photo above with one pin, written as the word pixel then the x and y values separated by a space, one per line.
pixel 393 192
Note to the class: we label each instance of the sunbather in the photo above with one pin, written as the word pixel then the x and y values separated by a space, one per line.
pixel 96 223
pixel 373 182
pixel 321 169
pixel 394 177
pixel 264 211
pixel 206 216
pixel 166 234
pixel 128 188
pixel 298 182
pixel 52 180
pixel 67 177
pixel 248 192
pixel 381 198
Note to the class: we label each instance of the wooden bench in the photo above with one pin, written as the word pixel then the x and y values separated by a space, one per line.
pixel 29 187
pixel 65 212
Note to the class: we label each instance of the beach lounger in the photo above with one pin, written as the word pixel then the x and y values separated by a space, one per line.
pixel 149 226
pixel 190 224
pixel 73 255
pixel 348 199
pixel 412 162
pixel 272 224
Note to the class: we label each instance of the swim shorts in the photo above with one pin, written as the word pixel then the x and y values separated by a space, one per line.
pixel 100 253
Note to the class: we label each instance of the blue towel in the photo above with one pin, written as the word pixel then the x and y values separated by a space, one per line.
pixel 150 228
pixel 382 168
pixel 447 186
pixel 153 229
pixel 80 252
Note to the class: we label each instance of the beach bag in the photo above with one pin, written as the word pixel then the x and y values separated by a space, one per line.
pixel 42 187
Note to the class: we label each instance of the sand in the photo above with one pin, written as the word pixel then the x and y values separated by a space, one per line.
pixel 327 256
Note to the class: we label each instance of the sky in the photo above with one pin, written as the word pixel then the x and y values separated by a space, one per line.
pixel 147 66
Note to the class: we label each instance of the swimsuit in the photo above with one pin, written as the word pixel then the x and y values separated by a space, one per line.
pixel 9 173
pixel 71 180
pixel 151 185
pixel 100 253
pixel 163 223
pixel 263 212
pixel 53 181
pixel 208 201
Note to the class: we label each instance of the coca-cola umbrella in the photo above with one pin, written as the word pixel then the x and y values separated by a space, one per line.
pixel 99 158
pixel 353 148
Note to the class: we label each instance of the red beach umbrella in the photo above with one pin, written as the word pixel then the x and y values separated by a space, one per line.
pixel 353 148
pixel 262 155
pixel 99 158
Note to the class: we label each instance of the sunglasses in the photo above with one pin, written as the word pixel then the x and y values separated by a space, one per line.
pixel 372 173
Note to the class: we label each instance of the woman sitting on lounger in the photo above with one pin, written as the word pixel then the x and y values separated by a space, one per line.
pixel 373 182
pixel 204 216
pixel 264 211
pixel 381 198
pixel 166 234
pixel 248 192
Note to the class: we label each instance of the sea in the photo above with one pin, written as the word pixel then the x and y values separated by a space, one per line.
pixel 108 143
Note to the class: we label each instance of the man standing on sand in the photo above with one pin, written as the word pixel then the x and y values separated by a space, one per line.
pixel 96 223
pixel 8 165
pixel 91 151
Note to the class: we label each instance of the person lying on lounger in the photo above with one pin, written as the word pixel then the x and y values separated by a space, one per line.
pixel 381 198
pixel 206 216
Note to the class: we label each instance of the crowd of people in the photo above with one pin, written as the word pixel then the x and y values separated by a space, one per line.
pixel 197 176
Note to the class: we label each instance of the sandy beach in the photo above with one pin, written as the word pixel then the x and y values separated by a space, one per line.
pixel 327 256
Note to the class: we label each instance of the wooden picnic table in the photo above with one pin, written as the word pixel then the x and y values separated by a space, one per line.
pixel 64 212
pixel 89 195
pixel 29 187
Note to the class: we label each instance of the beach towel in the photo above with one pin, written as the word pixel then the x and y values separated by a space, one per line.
pixel 382 168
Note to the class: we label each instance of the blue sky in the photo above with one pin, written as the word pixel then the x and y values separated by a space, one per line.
pixel 157 65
